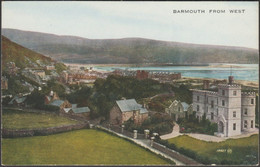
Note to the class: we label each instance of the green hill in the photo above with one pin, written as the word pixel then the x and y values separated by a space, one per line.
pixel 23 57
pixel 128 50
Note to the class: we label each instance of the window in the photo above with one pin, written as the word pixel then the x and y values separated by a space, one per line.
pixel 198 107
pixel 212 116
pixel 234 92
pixel 212 104
pixel 217 111
pixel 245 124
pixel 223 92
pixel 234 113
pixel 252 101
pixel 234 126
pixel 198 98
pixel 207 99
pixel 217 101
pixel 223 102
pixel 252 124
pixel 245 111
pixel 179 109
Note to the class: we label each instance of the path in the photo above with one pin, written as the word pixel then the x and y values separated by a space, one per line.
pixel 175 132
pixel 204 137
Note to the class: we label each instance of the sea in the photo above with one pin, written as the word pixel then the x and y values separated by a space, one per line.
pixel 247 72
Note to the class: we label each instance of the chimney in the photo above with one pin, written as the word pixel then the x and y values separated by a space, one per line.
pixel 51 93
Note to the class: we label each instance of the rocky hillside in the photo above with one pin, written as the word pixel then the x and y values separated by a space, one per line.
pixel 23 57
pixel 128 50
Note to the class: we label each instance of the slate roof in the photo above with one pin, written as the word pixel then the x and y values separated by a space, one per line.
pixel 185 106
pixel 80 110
pixel 18 100
pixel 57 103
pixel 74 105
pixel 143 110
pixel 130 105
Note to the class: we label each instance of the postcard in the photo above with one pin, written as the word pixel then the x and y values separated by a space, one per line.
pixel 129 83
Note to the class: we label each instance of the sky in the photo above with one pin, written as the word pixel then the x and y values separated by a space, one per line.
pixel 153 20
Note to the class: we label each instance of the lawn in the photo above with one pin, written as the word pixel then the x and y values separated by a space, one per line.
pixel 76 147
pixel 243 149
pixel 16 119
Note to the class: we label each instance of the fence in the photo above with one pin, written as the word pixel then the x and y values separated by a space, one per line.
pixel 125 132
pixel 175 155
pixel 12 133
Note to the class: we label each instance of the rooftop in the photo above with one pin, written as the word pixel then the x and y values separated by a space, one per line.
pixel 57 103
pixel 130 105
pixel 80 110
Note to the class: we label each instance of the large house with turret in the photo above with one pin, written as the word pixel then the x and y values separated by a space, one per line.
pixel 229 107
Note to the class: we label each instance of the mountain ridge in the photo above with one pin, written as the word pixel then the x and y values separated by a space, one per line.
pixel 128 50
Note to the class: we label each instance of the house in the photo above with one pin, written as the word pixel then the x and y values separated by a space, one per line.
pixel 51 97
pixel 74 112
pixel 18 101
pixel 123 110
pixel 179 109
pixel 49 67
pixel 141 74
pixel 60 103
pixel 40 73
pixel 4 83
pixel 229 107
pixel 81 112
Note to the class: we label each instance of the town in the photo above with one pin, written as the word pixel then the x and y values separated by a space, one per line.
pixel 164 106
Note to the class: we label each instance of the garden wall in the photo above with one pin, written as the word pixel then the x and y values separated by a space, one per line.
pixel 13 133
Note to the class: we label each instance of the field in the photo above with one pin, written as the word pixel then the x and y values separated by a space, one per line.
pixel 77 147
pixel 15 119
pixel 244 150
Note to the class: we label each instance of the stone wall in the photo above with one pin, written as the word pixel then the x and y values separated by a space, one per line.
pixel 174 154
pixel 13 133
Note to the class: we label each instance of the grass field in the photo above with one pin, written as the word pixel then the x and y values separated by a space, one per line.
pixel 76 147
pixel 15 119
pixel 243 149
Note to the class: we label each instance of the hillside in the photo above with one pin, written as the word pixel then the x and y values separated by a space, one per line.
pixel 23 57
pixel 128 50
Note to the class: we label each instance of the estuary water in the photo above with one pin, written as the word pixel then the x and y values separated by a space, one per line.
pixel 247 72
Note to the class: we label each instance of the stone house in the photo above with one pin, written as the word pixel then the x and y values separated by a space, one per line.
pixel 77 113
pixel 178 109
pixel 229 107
pixel 61 104
pixel 123 110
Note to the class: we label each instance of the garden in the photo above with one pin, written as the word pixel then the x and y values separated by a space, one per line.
pixel 191 124
pixel 18 119
pixel 243 151
pixel 80 147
